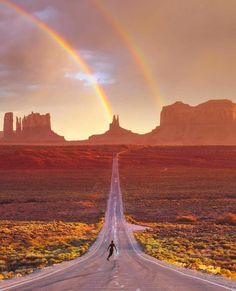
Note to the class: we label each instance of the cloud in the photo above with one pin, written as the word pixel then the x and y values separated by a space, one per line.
pixel 96 78
pixel 101 65
pixel 33 87
pixel 46 13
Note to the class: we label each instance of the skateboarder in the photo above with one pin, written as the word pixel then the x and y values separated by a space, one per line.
pixel 111 247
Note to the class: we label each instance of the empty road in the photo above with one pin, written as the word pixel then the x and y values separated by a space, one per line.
pixel 128 269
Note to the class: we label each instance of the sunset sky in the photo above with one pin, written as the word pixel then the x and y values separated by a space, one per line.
pixel 142 54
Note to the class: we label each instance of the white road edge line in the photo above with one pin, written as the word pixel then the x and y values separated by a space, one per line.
pixel 26 281
pixel 152 261
pixel 187 275
pixel 97 247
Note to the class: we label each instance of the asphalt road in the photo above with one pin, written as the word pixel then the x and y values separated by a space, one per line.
pixel 128 269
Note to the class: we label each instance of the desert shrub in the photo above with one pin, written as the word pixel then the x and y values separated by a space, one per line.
pixel 130 219
pixel 228 218
pixel 27 246
pixel 192 246
pixel 186 218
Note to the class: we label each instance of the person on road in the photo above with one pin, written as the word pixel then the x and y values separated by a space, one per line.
pixel 111 248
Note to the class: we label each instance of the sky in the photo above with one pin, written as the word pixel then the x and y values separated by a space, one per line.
pixel 143 54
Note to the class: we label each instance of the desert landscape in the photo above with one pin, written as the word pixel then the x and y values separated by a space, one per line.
pixel 53 200
pixel 117 145
pixel 52 203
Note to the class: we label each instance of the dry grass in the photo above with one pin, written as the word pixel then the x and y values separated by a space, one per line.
pixel 187 196
pixel 186 218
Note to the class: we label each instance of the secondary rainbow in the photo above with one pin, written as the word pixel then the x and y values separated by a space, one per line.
pixel 65 45
pixel 134 49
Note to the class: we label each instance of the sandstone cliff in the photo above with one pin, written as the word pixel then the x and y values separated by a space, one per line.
pixel 212 122
pixel 8 126
pixel 34 128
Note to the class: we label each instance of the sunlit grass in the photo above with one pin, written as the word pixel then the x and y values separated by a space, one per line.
pixel 207 247
pixel 45 192
pixel 186 195
pixel 26 246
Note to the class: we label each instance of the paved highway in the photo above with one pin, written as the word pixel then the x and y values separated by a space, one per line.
pixel 128 269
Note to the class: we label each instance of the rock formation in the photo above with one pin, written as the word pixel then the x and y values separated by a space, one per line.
pixel 115 125
pixel 8 132
pixel 209 123
pixel 34 128
pixel 115 135
pixel 18 126
pixel 36 121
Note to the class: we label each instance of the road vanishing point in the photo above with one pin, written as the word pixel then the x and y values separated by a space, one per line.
pixel 128 269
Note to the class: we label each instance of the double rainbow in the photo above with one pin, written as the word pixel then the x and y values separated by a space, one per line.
pixel 65 45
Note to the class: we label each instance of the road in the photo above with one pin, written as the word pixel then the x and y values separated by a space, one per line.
pixel 128 269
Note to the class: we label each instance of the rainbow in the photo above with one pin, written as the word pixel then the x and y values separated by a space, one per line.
pixel 65 45
pixel 134 49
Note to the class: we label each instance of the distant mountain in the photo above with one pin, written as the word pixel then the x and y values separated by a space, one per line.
pixel 209 123
pixel 116 135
